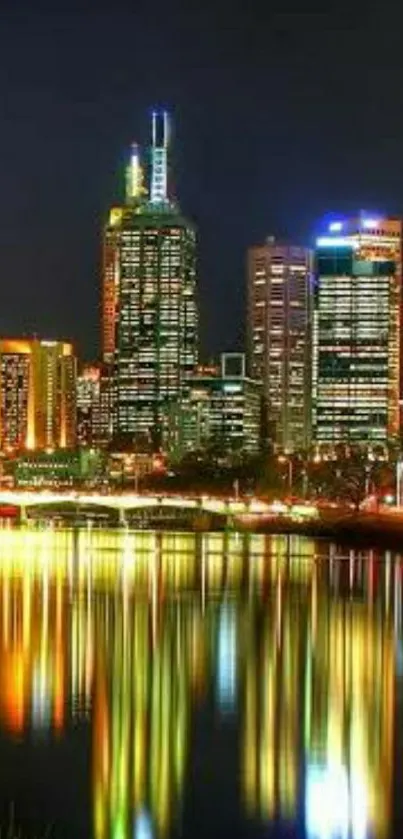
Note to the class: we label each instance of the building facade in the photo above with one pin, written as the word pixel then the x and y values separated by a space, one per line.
pixel 279 318
pixel 357 333
pixel 93 406
pixel 150 323
pixel 224 409
pixel 59 468
pixel 37 394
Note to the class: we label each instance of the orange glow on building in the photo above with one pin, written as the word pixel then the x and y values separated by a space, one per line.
pixel 37 394
pixel 110 285
pixel 385 243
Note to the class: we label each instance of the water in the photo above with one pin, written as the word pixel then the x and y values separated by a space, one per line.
pixel 179 685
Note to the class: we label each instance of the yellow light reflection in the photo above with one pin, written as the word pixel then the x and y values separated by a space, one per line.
pixel 135 630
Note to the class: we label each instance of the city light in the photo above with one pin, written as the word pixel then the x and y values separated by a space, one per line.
pixel 335 242
pixel 131 501
pixel 370 223
pixel 173 594
pixel 327 803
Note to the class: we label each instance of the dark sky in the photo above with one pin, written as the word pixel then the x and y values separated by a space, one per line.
pixel 280 117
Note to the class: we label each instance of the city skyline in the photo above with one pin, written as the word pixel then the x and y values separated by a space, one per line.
pixel 244 168
pixel 308 362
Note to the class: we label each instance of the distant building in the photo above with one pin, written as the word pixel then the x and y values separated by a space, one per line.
pixel 357 333
pixel 129 468
pixel 93 406
pixel 61 468
pixel 224 409
pixel 37 394
pixel 279 315
pixel 150 322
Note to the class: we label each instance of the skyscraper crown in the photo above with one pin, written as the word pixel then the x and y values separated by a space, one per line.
pixel 154 190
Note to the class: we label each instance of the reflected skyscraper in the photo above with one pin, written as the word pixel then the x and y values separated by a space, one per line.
pixel 142 707
pixel 140 635
pixel 273 710
pixel 227 658
pixel 320 674
pixel 349 691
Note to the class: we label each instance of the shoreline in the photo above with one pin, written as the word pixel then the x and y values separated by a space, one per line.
pixel 383 530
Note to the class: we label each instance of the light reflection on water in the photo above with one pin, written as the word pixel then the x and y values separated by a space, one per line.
pixel 293 644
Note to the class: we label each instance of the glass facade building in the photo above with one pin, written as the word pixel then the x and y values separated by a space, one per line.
pixel 357 334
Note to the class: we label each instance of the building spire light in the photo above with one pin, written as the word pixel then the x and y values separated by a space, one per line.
pixel 160 131
pixel 134 176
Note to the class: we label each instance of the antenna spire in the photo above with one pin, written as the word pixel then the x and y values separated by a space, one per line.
pixel 159 157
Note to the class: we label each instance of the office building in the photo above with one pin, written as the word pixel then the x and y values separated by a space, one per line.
pixel 223 409
pixel 93 406
pixel 150 324
pixel 357 333
pixel 279 300
pixel 113 243
pixel 37 394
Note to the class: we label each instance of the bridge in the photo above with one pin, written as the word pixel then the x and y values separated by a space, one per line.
pixel 122 503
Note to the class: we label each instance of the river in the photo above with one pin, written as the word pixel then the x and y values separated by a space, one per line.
pixel 199 685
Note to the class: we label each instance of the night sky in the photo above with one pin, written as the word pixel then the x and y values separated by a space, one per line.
pixel 279 119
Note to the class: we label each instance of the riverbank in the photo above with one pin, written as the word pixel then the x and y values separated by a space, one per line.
pixel 383 529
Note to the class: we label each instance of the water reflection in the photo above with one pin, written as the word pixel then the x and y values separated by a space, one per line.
pixel 136 633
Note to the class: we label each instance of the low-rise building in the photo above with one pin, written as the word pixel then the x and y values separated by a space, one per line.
pixel 58 469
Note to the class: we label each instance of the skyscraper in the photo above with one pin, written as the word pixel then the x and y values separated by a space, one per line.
pixel 150 324
pixel 357 333
pixel 37 394
pixel 279 299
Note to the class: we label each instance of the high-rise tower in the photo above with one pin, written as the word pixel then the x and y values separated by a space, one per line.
pixel 279 338
pixel 150 324
pixel 357 333
pixel 134 198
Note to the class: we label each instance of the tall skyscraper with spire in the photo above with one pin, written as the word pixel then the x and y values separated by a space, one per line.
pixel 150 322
